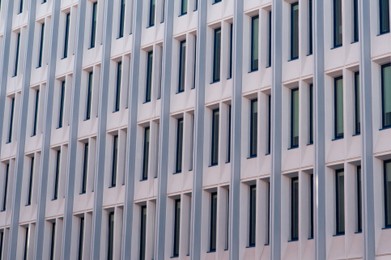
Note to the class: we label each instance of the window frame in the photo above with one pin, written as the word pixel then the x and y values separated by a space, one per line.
pixel 337 135
pixel 146 144
pixel 384 123
pixel 93 24
pixel 337 24
pixel 357 104
pixel 216 55
pixel 294 31
pixel 179 146
pixel 214 159
pixel 148 81
pixel 387 13
pixel 182 66
pixel 254 40
pixel 252 213
pixel 386 198
pixel 176 231
pixel 294 211
pixel 253 147
pixel 338 221
pixel 294 123
pixel 213 222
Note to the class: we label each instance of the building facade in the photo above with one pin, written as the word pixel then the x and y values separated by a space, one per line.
pixel 195 129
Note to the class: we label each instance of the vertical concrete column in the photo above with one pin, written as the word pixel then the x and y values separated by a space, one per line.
pixel 21 131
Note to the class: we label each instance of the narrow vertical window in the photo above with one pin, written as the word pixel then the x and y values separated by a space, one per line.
pixel 146 153
pixel 20 6
pixel 216 54
pixel 57 174
pixel 143 227
pixel 26 243
pixel 93 25
pixel 85 169
pixel 183 7
pixel 110 238
pixel 53 240
pixel 357 124
pixel 386 94
pixel 269 40
pixel 294 31
pixel 30 182
pixel 5 188
pixel 213 222
pixel 338 108
pixel 121 19
pixel 252 216
pixel 229 127
pixel 36 108
pixel 16 65
pixel 227 223
pixel 81 238
pixel 195 62
pixel 359 199
pixel 89 96
pixel 195 5
pixel 384 16
pixel 294 209
pixel 340 202
pixel 114 162
pixel 41 42
pixel 311 115
pixel 355 20
pixel 337 23
pixel 66 36
pixel 311 233
pixel 267 239
pixel 230 57
pixel 182 66
pixel 254 42
pixel 11 120
pixel 1 242
pixel 151 20
pixel 295 118
pixel 215 137
pixel 149 77
pixel 177 222
pixel 310 28
pixel 163 11
pixel 118 87
pixel 253 127
pixel 61 105
pixel 179 146
pixel 387 193
pixel 269 124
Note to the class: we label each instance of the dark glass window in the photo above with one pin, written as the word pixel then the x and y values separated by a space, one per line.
pixel 359 199
pixel 294 31
pixel 151 20
pixel 89 96
pixel 149 77
pixel 36 108
pixel 146 153
pixel 57 174
pixel 20 6
pixel 1 242
pixel 81 238
pixel 216 1
pixel 311 233
pixel 216 55
pixel 143 229
pixel 179 146
pixel 269 40
pixel 252 216
pixel 26 243
pixel 337 22
pixel 195 5
pixel 118 87
pixel 85 169
pixel 338 108
pixel 295 118
pixel 384 16
pixel 93 25
pixel 195 62
pixel 254 42
pixel 182 66
pixel 53 240
pixel 295 209
pixel 267 239
pixel 231 32
pixel 177 222
pixel 229 127
pixel 183 7
pixel 253 127
pixel 355 20
pixel 41 42
pixel 17 54
pixel 387 192
pixel 5 189
pixel 386 93
pixel 121 19
pixel 357 120
pixel 213 222
pixel 114 161
pixel 311 115
pixel 215 137
pixel 11 121
pixel 310 28
pixel 110 238
pixel 61 104
pixel 30 182
pixel 269 123
pixel 66 36
pixel 340 202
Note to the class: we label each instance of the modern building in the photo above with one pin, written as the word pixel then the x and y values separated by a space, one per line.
pixel 195 129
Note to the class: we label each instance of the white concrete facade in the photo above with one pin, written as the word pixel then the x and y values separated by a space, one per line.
pixel 95 95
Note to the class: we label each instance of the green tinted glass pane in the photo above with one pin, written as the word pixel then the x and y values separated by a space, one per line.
pixel 387 88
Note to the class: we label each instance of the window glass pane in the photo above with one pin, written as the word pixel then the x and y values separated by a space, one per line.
pixel 177 220
pixel 254 42
pixel 85 168
pixel 81 238
pixel 121 19
pixel 294 30
pixel 179 145
pixel 183 7
pixel 110 236
pixel 151 12
pixel 337 23
pixel 295 209
pixel 215 137
pixel 146 154
pixel 93 25
pixel 338 108
pixel 216 55
pixel 355 20
pixel 143 228
pixel 294 118
pixel 310 28
pixel 357 103
pixel 359 200
pixel 387 192
pixel 182 66
pixel 213 222
pixel 340 202
pixel 253 128
pixel 384 11
pixel 149 77
pixel 115 160
pixel 252 215
pixel 118 87
pixel 386 89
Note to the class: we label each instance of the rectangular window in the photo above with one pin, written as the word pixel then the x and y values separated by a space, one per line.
pixel 182 66
pixel 294 208
pixel 384 16
pixel 148 86
pixel 310 28
pixel 1 242
pixel 214 160
pixel 386 94
pixel 177 222
pixel 311 115
pixel 118 87
pixel 338 108
pixel 16 65
pixel 26 243
pixel 359 199
pixel 340 202
pixel 41 42
pixel 30 182
pixel 231 32
pixel 216 54
pixel 143 229
pixel 337 23
pixel 146 153
pixel 114 162
pixel 213 222
pixel 53 240
pixel 89 96
pixel 85 169
pixel 252 216
pixel 269 41
pixel 183 7
pixel 121 19
pixel 151 20
pixel 195 5
pixel 294 31
pixel 36 108
pixel 81 238
pixel 110 242
pixel 5 189
pixel 355 20
pixel 229 127
pixel 387 193
pixel 195 62
pixel 93 25
pixel 254 42
pixel 295 118
pixel 61 105
pixel 11 121
pixel 267 239
pixel 179 146
pixel 311 233
pixel 66 36
pixel 57 174
pixel 253 127
pixel 357 124
pixel 269 124
pixel 20 6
